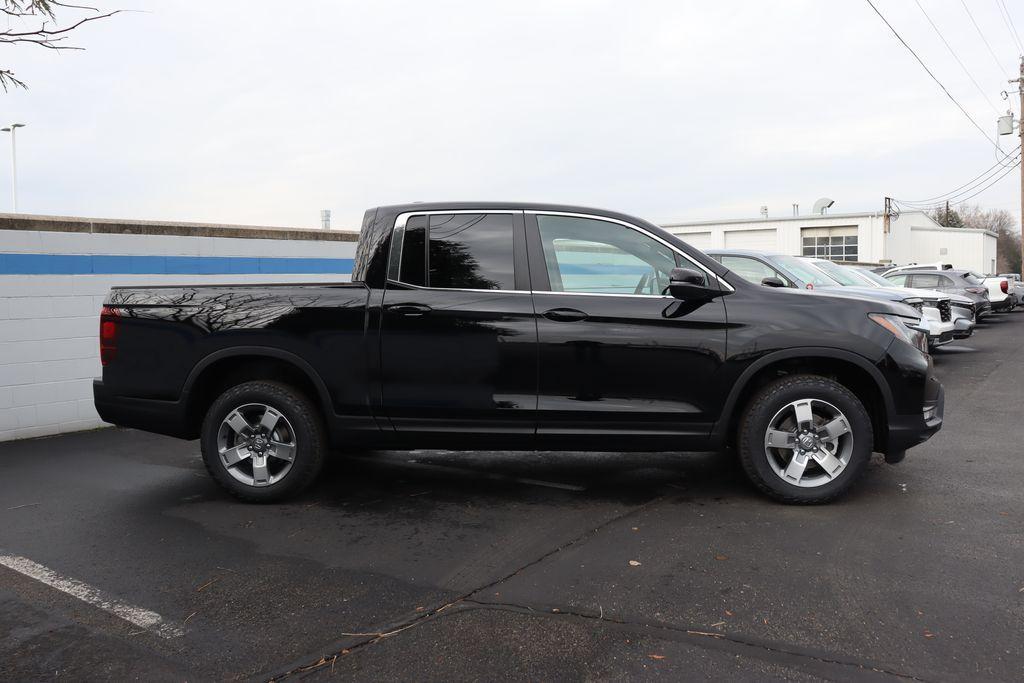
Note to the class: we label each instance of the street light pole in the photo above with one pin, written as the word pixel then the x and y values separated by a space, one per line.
pixel 14 162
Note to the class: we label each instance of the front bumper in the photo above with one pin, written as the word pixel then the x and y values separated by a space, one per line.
pixel 939 332
pixel 906 431
pixel 963 328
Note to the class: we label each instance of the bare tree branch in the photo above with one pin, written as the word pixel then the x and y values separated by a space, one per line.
pixel 42 34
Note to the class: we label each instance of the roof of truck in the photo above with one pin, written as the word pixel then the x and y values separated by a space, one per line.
pixel 378 223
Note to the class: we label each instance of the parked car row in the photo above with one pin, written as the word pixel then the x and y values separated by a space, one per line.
pixel 1004 293
pixel 950 300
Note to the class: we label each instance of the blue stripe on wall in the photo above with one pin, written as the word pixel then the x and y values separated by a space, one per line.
pixel 75 264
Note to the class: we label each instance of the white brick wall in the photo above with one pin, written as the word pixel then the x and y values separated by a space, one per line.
pixel 49 352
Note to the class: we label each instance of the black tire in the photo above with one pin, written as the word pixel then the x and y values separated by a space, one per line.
pixel 767 403
pixel 301 415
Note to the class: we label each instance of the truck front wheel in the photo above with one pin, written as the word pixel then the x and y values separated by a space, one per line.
pixel 805 439
pixel 263 441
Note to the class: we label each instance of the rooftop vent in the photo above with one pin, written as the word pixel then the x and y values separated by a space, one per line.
pixel 822 205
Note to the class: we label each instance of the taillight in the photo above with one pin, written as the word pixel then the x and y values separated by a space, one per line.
pixel 1004 286
pixel 108 334
pixel 976 290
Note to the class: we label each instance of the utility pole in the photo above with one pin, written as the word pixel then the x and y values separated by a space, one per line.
pixel 887 214
pixel 1020 130
pixel 947 213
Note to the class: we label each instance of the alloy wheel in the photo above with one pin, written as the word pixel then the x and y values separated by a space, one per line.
pixel 808 442
pixel 256 444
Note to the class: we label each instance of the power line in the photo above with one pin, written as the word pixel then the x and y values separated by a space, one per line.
pixel 1004 174
pixel 952 200
pixel 999 64
pixel 1008 20
pixel 964 196
pixel 969 185
pixel 955 56
pixel 933 76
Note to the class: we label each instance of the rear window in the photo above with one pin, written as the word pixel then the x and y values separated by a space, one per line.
pixel 972 278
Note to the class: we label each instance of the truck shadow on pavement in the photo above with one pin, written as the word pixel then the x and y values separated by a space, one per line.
pixel 374 479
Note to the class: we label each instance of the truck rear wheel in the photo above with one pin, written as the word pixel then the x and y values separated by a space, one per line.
pixel 805 439
pixel 263 441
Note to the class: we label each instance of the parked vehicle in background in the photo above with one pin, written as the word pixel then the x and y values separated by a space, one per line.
pixel 520 327
pixel 779 270
pixel 917 266
pixel 963 309
pixel 1016 286
pixel 999 293
pixel 936 309
pixel 952 281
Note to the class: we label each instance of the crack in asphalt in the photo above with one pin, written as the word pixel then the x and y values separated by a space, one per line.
pixel 338 649
pixel 695 635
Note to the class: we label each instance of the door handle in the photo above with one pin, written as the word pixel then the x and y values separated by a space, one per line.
pixel 409 310
pixel 565 315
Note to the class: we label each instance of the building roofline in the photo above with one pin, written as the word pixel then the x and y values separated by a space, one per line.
pixel 14 221
pixel 943 228
pixel 804 217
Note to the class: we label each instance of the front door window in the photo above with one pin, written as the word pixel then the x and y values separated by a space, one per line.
pixel 584 255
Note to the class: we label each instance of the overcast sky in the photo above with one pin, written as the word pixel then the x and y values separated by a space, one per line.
pixel 264 113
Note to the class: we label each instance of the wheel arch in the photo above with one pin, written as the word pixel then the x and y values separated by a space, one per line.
pixel 851 370
pixel 222 369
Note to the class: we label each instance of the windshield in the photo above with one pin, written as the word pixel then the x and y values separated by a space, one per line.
pixel 840 274
pixel 973 279
pixel 805 271
pixel 873 277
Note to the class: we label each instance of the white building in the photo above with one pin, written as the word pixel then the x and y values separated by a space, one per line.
pixel 913 238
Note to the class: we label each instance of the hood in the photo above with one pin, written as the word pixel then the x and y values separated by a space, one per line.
pixel 921 293
pixel 867 297
pixel 880 293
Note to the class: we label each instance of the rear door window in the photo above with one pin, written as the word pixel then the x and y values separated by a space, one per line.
pixel 927 281
pixel 471 251
pixel 455 251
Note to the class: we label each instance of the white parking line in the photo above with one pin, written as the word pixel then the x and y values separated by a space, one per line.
pixel 143 618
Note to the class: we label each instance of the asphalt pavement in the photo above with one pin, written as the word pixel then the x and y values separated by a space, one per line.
pixel 120 559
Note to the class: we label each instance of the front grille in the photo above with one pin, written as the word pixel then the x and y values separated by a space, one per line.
pixel 944 311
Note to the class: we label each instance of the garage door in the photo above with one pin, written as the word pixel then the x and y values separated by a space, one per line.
pixel 698 240
pixel 835 244
pixel 766 240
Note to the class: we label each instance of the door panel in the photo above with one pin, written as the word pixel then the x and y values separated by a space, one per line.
pixel 459 342
pixel 632 364
pixel 616 357
pixel 455 359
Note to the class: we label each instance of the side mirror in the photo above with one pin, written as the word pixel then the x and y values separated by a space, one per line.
pixel 773 282
pixel 688 284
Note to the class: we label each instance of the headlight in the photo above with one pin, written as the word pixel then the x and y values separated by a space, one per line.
pixel 903 328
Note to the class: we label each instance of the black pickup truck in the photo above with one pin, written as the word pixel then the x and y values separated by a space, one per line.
pixel 471 326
